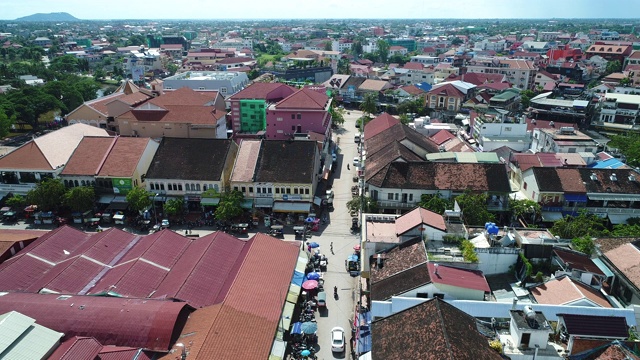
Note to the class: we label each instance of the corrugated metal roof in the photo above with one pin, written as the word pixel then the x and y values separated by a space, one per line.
pixel 161 265
pixel 22 338
pixel 77 348
pixel 149 324
pixel 242 314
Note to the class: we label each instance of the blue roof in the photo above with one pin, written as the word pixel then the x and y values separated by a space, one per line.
pixel 607 164
pixel 364 332
pixel 423 86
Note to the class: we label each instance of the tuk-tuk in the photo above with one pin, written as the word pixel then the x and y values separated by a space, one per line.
pixel 322 299
pixel 300 231
pixel 352 265
pixel 267 220
pixel 92 222
pixel 355 224
pixel 277 230
pixel 240 228
pixel 10 217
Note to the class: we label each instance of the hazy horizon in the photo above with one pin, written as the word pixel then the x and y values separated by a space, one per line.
pixel 328 9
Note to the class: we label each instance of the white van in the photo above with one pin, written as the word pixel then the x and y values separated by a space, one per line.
pixel 357 137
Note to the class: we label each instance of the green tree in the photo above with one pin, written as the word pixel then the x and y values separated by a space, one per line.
pixel 525 209
pixel 584 244
pixel 613 66
pixel 356 48
pixel 139 199
pixel 585 224
pixel 230 206
pixel 99 74
pixel 328 46
pixel 404 118
pixel 369 105
pixel 5 123
pixel 468 251
pixel 172 68
pixel 525 98
pixel 337 116
pixel 27 104
pixel 65 63
pixel 626 230
pixel 343 67
pixel 413 106
pixel 16 201
pixel 629 146
pixel 47 194
pixel 174 207
pixel 456 41
pixel 474 208
pixel 435 203
pixel 383 50
pixel 81 198
pixel 368 205
pixel 625 81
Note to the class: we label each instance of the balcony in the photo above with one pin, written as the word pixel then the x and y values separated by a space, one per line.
pixel 17 188
pixel 396 205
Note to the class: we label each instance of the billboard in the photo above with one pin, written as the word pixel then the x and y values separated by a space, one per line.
pixel 121 186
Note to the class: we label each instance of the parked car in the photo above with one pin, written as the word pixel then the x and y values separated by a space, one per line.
pixel 337 339
pixel 334 157
pixel 165 224
pixel 356 161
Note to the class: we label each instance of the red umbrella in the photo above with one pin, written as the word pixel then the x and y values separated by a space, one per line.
pixel 310 284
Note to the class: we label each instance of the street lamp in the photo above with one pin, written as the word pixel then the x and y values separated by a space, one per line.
pixel 155 211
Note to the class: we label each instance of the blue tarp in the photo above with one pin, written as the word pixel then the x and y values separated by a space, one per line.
pixel 607 164
pixel 364 332
pixel 297 328
pixel 298 278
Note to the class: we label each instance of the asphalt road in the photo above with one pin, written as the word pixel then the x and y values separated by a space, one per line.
pixel 340 311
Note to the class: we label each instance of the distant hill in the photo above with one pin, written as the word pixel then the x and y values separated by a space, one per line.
pixel 59 16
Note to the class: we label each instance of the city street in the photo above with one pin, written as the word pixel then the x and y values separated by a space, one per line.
pixel 338 312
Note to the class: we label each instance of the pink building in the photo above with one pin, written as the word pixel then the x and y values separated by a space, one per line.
pixel 305 111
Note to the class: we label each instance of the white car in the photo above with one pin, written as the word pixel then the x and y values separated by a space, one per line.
pixel 165 223
pixel 337 339
pixel 334 157
pixel 356 161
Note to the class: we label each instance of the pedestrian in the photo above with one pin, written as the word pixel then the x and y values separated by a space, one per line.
pixel 348 168
pixel 331 247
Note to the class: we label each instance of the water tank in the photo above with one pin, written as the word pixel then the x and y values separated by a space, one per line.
pixel 419 122
pixel 529 313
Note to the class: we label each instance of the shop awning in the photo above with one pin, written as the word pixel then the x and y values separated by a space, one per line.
pixel 294 293
pixel 247 204
pixel 575 197
pixel 209 201
pixel 287 314
pixel 293 207
pixel 614 197
pixel 263 202
pixel 105 199
pixel 618 218
pixel 551 215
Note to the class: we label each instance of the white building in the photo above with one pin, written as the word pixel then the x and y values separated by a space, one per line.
pixel 562 140
pixel 226 82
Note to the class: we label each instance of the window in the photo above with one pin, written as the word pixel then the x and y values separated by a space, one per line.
pixel 306 191
pixel 397 197
pixel 169 186
pixel 525 185
pixel 507 128
pixel 259 190
pixel 269 190
pixel 244 189
pixel 277 190
pixel 293 128
pixel 295 190
pixel 293 116
pixel 223 90
pixel 410 197
pixel 161 186
pixel 279 119
pixel 180 187
pixel 533 196
pixel 299 116
pixel 251 189
pixel 288 190
pixel 572 150
pixel 235 188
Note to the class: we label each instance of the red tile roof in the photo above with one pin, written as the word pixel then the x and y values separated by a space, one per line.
pixel 564 291
pixel 264 91
pixel 124 353
pixel 124 157
pixel 27 157
pixel 446 90
pixel 577 261
pixel 462 278
pixel 442 136
pixel 304 99
pixel 88 157
pixel 413 66
pixel 381 123
pixel 413 90
pixel 77 348
pixel 626 258
pixel 144 323
pixel 417 217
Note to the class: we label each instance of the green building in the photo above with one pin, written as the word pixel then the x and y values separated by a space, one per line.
pixel 409 44
pixel 253 116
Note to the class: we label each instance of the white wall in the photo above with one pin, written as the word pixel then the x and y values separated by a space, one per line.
pixel 494 262
pixel 532 185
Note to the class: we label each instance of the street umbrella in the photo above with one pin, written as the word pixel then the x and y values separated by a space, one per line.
pixel 305 352
pixel 313 244
pixel 310 284
pixel 309 327
pixel 313 276
pixel 309 219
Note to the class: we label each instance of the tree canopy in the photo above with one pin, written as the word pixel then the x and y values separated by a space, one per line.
pixel 138 199
pixel 369 105
pixel 230 206
pixel 585 224
pixel 435 203
pixel 174 207
pixel 81 198
pixel 47 194
pixel 629 145
pixel 474 208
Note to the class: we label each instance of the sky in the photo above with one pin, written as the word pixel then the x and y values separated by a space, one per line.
pixel 324 9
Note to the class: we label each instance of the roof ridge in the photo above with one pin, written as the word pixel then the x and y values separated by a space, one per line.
pixel 445 334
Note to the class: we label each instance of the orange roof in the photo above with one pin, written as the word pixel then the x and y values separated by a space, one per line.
pixel 304 99
pixel 626 258
pixel 123 158
pixel 27 157
pixel 417 217
pixel 88 156
pixel 564 291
